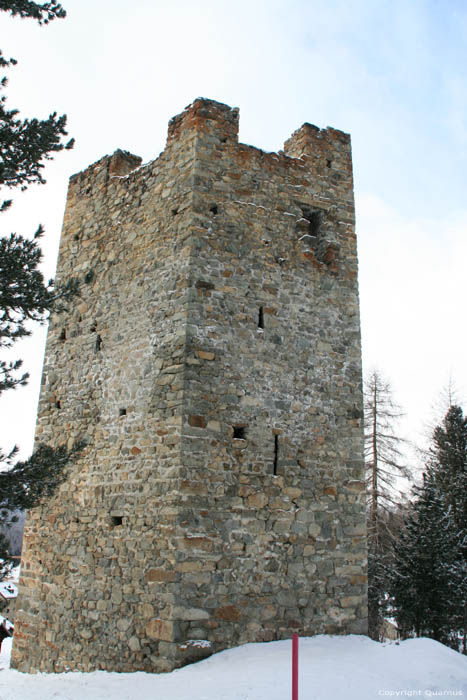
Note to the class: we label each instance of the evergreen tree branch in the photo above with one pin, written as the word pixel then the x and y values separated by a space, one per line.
pixel 43 12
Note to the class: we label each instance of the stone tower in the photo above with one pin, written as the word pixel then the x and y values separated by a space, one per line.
pixel 212 365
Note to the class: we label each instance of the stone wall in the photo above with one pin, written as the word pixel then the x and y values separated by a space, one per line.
pixel 212 365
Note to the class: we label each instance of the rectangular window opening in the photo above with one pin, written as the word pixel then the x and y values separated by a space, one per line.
pixel 116 520
pixel 122 412
pixel 314 218
pixel 239 432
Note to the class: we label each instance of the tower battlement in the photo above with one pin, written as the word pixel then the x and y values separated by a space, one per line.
pixel 212 366
pixel 208 117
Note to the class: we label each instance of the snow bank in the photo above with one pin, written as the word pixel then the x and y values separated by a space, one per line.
pixel 331 668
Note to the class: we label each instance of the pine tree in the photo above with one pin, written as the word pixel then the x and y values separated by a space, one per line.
pixel 25 297
pixel 384 464
pixel 429 582
pixel 448 471
pixel 420 580
pixel 448 463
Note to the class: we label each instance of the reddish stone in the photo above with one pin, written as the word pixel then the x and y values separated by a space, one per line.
pixel 197 421
pixel 229 613
pixel 153 575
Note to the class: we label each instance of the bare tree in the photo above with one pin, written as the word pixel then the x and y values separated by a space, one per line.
pixel 384 458
pixel 385 466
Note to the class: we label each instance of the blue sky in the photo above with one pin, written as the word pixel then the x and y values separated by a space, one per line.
pixel 393 74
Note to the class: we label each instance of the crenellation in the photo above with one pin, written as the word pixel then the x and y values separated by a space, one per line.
pixel 216 121
pixel 212 365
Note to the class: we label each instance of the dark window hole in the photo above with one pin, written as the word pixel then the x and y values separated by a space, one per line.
pixel 76 237
pixel 276 454
pixel 314 219
pixel 89 276
pixel 116 520
pixel 328 163
pixel 261 317
pixel 58 404
pixel 98 343
pixel 315 222
pixel 62 335
pixel 175 211
pixel 122 412
pixel 223 140
pixel 213 209
pixel 239 432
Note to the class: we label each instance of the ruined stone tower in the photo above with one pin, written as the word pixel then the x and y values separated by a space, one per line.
pixel 212 365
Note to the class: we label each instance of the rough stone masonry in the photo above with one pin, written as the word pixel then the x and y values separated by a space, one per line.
pixel 212 365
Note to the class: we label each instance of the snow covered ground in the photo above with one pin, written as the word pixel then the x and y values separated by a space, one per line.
pixel 331 668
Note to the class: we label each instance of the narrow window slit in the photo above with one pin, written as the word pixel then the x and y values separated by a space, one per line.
pixel 58 404
pixel 328 163
pixel 261 317
pixel 98 343
pixel 62 335
pixel 276 454
pixel 315 223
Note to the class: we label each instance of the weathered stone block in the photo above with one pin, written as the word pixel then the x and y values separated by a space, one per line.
pixel 229 613
pixel 159 575
pixel 197 421
pixel 160 629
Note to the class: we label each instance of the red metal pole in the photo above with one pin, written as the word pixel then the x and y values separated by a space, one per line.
pixel 295 666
